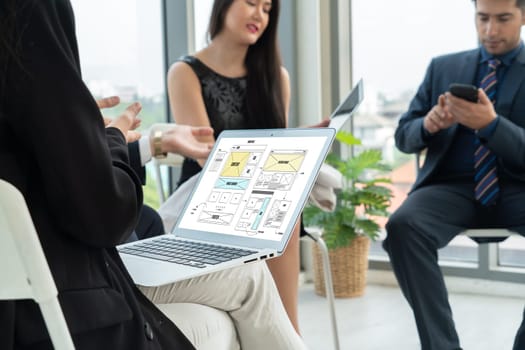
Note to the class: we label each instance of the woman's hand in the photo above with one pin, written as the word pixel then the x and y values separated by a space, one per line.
pixel 322 124
pixel 127 122
pixel 184 140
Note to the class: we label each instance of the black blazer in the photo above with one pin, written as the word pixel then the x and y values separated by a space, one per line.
pixel 508 140
pixel 135 162
pixel 83 196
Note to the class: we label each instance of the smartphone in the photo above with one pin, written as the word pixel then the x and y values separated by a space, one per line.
pixel 464 91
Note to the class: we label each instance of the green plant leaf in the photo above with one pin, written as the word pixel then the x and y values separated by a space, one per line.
pixel 347 138
pixel 363 198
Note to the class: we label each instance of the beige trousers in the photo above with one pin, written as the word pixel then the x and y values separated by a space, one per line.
pixel 249 297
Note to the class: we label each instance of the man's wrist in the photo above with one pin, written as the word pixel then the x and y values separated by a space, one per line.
pixel 486 132
pixel 157 145
pixel 426 127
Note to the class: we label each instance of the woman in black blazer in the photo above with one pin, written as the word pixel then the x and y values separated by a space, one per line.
pixel 83 196
pixel 74 174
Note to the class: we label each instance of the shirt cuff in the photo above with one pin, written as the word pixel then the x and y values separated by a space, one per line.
pixel 144 150
pixel 486 132
pixel 425 134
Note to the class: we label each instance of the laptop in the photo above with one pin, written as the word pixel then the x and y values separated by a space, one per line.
pixel 347 108
pixel 243 207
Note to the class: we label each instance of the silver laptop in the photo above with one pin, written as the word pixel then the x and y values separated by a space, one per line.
pixel 243 207
pixel 347 108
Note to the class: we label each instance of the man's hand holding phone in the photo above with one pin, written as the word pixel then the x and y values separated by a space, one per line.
pixel 464 91
pixel 438 118
pixel 468 109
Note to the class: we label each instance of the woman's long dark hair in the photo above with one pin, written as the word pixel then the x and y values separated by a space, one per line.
pixel 264 93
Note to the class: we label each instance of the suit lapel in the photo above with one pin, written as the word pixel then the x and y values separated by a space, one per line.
pixel 510 85
pixel 465 73
pixel 467 68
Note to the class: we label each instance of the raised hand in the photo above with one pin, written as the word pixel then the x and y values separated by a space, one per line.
pixel 184 140
pixel 127 122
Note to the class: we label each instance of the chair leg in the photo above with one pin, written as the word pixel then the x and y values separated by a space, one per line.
pixel 160 185
pixel 56 324
pixel 329 287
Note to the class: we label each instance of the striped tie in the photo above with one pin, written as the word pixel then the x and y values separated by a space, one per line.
pixel 485 162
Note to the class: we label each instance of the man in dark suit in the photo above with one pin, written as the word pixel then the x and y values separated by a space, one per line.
pixel 474 172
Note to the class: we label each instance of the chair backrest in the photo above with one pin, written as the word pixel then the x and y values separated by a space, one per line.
pixel 24 272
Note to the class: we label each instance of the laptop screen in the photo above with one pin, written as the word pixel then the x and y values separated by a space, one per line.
pixel 256 182
pixel 344 111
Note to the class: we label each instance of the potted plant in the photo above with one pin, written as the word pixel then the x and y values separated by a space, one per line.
pixel 348 230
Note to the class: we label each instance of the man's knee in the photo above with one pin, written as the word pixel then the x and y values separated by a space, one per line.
pixel 398 224
pixel 404 230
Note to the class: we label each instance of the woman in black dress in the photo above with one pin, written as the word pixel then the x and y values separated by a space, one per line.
pixel 238 82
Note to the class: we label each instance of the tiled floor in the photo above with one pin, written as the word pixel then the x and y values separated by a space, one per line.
pixel 382 320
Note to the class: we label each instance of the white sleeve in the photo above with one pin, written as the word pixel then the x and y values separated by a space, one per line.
pixel 144 150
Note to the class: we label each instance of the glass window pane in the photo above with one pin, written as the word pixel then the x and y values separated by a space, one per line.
pixel 512 252
pixel 392 47
pixel 202 10
pixel 121 53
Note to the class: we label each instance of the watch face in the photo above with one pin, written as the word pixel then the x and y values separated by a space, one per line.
pixel 157 145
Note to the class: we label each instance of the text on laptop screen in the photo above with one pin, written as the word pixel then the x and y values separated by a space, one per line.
pixel 251 186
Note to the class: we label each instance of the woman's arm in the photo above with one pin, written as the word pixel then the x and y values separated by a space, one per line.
pixel 186 102
pixel 285 81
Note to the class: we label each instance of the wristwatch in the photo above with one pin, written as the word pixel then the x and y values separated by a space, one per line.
pixel 157 143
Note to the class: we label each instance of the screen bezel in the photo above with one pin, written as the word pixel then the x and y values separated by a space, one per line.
pixel 279 246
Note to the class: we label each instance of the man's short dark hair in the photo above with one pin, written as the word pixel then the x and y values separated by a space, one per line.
pixel 519 3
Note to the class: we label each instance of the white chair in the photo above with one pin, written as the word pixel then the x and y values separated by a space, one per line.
pixel 328 285
pixel 23 267
pixel 175 161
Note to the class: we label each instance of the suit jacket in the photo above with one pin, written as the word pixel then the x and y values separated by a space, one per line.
pixel 508 139
pixel 82 195
pixel 135 162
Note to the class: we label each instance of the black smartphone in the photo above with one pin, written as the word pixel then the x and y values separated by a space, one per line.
pixel 464 91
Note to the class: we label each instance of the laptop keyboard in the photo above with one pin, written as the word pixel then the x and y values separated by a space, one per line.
pixel 184 252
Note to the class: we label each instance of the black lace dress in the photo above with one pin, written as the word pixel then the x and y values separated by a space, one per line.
pixel 225 103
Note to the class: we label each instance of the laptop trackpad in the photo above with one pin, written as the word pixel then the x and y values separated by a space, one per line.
pixel 150 273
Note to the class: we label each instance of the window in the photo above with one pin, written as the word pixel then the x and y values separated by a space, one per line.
pixel 392 47
pixel 511 252
pixel 120 44
pixel 202 11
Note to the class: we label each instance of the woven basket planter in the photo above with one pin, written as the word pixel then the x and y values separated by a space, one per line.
pixel 349 267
